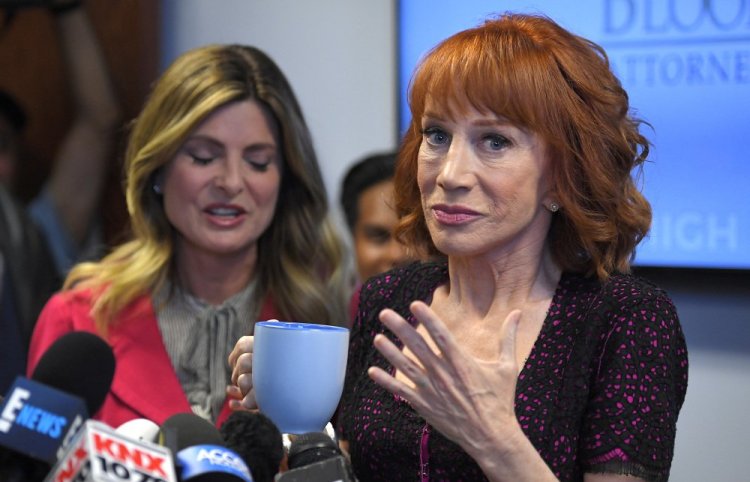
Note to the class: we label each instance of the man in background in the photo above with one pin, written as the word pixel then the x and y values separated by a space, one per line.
pixel 367 200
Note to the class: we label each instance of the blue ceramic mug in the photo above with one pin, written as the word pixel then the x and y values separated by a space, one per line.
pixel 298 373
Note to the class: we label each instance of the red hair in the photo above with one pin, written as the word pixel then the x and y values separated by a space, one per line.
pixel 543 78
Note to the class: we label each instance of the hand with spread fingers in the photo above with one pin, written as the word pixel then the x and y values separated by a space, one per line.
pixel 463 397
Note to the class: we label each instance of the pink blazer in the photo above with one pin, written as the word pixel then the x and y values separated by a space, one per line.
pixel 145 384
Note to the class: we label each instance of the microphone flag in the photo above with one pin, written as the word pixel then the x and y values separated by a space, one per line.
pixel 212 459
pixel 39 421
pixel 100 453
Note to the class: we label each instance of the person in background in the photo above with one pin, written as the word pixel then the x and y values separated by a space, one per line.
pixel 66 209
pixel 367 200
pixel 230 225
pixel 529 352
pixel 27 279
pixel 35 256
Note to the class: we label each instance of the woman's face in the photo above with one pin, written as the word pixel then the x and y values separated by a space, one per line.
pixel 484 184
pixel 220 189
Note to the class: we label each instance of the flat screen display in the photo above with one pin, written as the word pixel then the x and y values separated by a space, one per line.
pixel 686 67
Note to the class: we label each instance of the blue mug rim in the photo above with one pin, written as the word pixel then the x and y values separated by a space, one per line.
pixel 299 325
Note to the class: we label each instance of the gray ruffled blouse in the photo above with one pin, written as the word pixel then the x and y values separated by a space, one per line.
pixel 199 337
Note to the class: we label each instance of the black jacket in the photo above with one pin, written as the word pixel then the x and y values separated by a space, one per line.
pixel 28 273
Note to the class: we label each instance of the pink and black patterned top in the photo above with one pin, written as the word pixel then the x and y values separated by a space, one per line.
pixel 600 391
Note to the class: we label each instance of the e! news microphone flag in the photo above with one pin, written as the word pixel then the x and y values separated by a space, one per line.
pixel 36 419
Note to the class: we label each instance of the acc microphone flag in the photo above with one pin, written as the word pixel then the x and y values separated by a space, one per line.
pixel 204 460
pixel 37 420
pixel 99 453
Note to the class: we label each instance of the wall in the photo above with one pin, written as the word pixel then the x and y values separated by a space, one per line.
pixel 713 432
pixel 339 56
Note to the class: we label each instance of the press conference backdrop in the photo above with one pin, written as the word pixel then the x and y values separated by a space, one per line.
pixel 686 67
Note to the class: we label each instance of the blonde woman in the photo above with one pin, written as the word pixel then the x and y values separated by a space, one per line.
pixel 230 225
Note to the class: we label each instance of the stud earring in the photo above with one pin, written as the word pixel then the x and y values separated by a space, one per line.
pixel 157 188
pixel 554 207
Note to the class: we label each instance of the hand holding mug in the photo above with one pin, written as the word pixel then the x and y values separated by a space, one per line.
pixel 241 391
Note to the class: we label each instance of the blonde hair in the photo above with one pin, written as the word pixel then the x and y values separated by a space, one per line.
pixel 533 72
pixel 299 255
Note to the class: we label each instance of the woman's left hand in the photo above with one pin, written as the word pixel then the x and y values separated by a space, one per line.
pixel 468 400
pixel 240 393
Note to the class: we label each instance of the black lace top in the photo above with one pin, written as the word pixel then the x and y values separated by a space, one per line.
pixel 600 391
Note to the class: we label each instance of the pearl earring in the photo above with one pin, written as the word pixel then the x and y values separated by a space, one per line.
pixel 157 188
pixel 554 207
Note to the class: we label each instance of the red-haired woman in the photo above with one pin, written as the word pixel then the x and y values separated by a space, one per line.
pixel 529 352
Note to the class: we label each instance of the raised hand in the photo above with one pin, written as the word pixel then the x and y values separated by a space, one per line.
pixel 470 401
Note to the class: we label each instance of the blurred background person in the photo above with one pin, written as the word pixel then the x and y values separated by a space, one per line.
pixel 61 222
pixel 230 225
pixel 367 201
pixel 27 279
pixel 66 209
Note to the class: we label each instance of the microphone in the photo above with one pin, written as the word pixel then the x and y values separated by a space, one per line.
pixel 99 453
pixel 199 451
pixel 40 416
pixel 257 440
pixel 315 457
pixel 35 421
pixel 139 429
pixel 81 364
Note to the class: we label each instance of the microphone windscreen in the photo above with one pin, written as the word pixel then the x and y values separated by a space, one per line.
pixel 183 430
pixel 255 438
pixel 199 451
pixel 81 364
pixel 311 447
pixel 139 429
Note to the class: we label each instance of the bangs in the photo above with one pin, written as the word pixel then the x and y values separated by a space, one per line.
pixel 502 72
